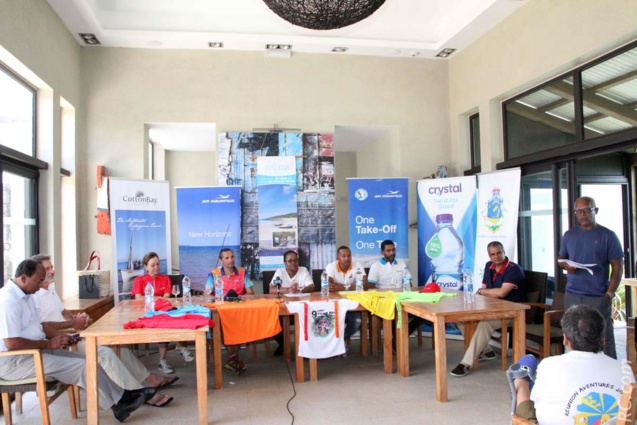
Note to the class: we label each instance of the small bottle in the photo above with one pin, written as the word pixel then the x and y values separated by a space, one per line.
pixel 149 297
pixel 406 280
pixel 185 287
pixel 469 296
pixel 325 285
pixel 277 283
pixel 218 290
pixel 359 281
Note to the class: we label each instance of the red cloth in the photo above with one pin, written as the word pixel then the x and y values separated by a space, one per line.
pixel 162 285
pixel 187 321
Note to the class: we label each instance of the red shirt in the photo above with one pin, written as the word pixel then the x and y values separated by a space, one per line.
pixel 162 285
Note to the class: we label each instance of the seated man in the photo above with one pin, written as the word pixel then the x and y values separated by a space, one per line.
pixel 21 329
pixel 582 386
pixel 293 279
pixel 234 278
pixel 126 371
pixel 502 279
pixel 341 275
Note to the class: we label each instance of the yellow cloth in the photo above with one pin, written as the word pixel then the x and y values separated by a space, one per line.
pixel 248 321
pixel 382 304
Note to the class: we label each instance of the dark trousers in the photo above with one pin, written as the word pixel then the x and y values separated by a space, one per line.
pixel 602 305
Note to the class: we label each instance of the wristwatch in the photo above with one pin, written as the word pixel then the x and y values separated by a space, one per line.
pixel 611 295
pixel 479 291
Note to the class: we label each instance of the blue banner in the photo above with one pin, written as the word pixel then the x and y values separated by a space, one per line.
pixel 209 219
pixel 378 211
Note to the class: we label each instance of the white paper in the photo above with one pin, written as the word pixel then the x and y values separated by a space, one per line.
pixel 577 265
pixel 303 294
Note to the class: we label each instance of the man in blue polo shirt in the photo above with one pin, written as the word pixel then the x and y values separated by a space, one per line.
pixel 386 272
pixel 502 279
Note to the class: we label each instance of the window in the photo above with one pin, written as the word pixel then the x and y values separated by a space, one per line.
pixel 17 113
pixel 474 136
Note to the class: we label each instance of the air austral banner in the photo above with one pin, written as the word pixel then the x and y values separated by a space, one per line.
pixel 208 219
pixel 377 211
pixel 278 223
pixel 446 230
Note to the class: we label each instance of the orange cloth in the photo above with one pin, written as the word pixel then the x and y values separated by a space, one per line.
pixel 248 321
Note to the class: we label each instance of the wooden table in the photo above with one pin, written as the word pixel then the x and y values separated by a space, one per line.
pixel 109 331
pixel 632 284
pixel 94 308
pixel 453 309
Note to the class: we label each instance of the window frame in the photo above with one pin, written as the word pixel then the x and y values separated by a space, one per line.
pixel 473 138
pixel 34 109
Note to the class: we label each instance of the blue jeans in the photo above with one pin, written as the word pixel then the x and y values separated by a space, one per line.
pixel 351 325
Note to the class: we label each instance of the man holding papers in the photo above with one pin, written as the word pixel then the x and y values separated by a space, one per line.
pixel 595 254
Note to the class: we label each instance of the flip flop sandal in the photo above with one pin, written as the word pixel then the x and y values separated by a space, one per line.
pixel 168 381
pixel 162 402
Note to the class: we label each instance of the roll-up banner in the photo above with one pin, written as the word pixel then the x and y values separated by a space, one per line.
pixel 377 211
pixel 446 230
pixel 278 224
pixel 498 209
pixel 140 220
pixel 208 219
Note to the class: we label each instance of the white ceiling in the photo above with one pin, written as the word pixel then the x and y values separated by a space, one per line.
pixel 399 28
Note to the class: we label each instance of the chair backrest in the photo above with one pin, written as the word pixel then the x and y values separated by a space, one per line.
pixel 267 278
pixel 558 301
pixel 316 278
pixel 175 279
pixel 535 293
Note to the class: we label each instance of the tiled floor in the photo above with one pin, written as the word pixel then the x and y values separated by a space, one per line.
pixel 352 390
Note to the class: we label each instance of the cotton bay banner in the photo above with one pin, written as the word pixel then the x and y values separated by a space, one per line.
pixel 377 211
pixel 498 206
pixel 140 221
pixel 209 219
pixel 446 230
pixel 278 224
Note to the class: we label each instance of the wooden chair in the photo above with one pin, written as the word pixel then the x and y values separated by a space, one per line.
pixel 268 275
pixel 624 416
pixel 41 384
pixel 549 332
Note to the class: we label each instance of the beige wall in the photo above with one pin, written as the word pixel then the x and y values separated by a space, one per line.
pixel 539 41
pixel 125 88
pixel 345 165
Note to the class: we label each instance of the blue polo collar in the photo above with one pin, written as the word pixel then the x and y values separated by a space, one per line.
pixel 383 261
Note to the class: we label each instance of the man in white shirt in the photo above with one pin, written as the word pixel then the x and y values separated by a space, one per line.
pixel 582 386
pixel 341 276
pixel 21 329
pixel 387 273
pixel 126 371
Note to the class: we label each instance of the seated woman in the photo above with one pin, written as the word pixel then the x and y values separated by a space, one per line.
pixel 293 279
pixel 233 278
pixel 162 286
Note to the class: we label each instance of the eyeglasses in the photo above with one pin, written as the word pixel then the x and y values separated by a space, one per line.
pixel 582 211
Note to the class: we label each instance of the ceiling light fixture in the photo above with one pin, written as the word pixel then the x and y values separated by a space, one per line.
pixel 339 49
pixel 278 47
pixel 89 39
pixel 445 53
pixel 322 14
pixel 215 45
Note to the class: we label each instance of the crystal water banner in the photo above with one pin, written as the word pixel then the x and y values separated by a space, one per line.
pixel 208 219
pixel 140 221
pixel 498 208
pixel 278 224
pixel 378 211
pixel 446 230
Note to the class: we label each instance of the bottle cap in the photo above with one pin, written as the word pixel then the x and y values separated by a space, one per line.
pixel 444 217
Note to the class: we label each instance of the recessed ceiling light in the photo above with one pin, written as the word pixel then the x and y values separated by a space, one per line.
pixel 339 49
pixel 445 53
pixel 215 45
pixel 89 39
pixel 278 47
pixel 414 53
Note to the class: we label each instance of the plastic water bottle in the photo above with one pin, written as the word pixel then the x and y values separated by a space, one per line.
pixel 149 297
pixel 469 295
pixel 185 287
pixel 359 281
pixel 218 290
pixel 325 285
pixel 446 251
pixel 406 280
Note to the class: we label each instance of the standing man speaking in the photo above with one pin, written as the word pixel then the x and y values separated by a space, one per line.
pixel 591 243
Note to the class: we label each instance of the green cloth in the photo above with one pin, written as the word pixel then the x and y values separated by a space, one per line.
pixel 419 297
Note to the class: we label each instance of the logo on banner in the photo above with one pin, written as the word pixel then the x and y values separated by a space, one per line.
pixel 221 199
pixel 493 219
pixel 361 194
pixel 390 194
pixel 139 198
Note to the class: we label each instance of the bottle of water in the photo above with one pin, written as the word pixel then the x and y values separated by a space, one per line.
pixel 406 280
pixel 325 285
pixel 446 251
pixel 218 290
pixel 185 287
pixel 149 297
pixel 359 281
pixel 469 295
